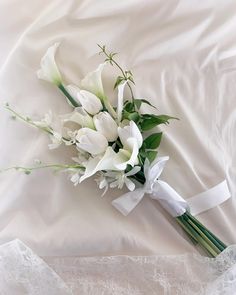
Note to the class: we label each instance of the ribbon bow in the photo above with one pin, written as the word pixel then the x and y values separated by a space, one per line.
pixel 167 196
pixel 156 189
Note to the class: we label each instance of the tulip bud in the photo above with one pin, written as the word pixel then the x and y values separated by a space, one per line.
pixel 90 102
pixel 91 141
pixel 106 125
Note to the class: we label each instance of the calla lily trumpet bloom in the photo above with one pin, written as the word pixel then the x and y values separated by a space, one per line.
pixel 131 139
pixel 92 82
pixel 49 70
pixel 98 163
pixel 90 102
pixel 106 125
pixel 91 141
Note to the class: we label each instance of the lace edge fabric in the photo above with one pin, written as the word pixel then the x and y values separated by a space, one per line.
pixel 23 272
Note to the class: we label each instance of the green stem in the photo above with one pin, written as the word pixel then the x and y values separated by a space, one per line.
pixel 120 68
pixel 56 166
pixel 197 237
pixel 28 120
pixel 208 233
pixel 67 94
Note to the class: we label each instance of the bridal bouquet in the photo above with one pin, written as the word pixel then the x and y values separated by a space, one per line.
pixel 117 143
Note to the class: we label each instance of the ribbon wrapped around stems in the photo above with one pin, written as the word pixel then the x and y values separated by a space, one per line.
pixel 169 199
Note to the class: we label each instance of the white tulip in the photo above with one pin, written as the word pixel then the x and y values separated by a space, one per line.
pixel 49 70
pixel 91 141
pixel 90 102
pixel 81 117
pixel 92 82
pixel 106 125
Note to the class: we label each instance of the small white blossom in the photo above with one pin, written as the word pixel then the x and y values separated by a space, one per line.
pixel 75 178
pixel 122 178
pixel 72 137
pixel 46 122
pixel 102 182
pixel 56 139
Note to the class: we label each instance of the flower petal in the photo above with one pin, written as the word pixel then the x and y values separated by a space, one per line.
pixel 93 82
pixel 49 70
pixel 99 163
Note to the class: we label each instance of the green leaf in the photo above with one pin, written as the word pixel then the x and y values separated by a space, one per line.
pixel 118 81
pixel 153 141
pixel 150 121
pixel 138 102
pixel 151 155
pixel 129 107
pixel 134 116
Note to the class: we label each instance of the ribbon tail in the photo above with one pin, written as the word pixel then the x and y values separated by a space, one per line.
pixel 209 199
pixel 127 202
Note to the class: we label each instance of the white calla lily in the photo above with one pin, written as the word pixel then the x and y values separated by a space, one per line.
pixel 92 82
pixel 49 70
pixel 131 139
pixel 106 125
pixel 81 117
pixel 129 131
pixel 128 156
pixel 91 141
pixel 103 162
pixel 90 102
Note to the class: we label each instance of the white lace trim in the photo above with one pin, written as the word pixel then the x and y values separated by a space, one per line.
pixel 23 272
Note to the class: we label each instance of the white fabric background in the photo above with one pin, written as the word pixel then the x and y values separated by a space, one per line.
pixel 183 56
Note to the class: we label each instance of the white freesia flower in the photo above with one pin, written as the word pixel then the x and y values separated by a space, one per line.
pixel 106 125
pixel 81 117
pixel 92 82
pixel 90 102
pixel 91 141
pixel 49 70
pixel 56 139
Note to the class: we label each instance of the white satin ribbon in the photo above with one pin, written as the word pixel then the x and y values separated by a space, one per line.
pixel 170 200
